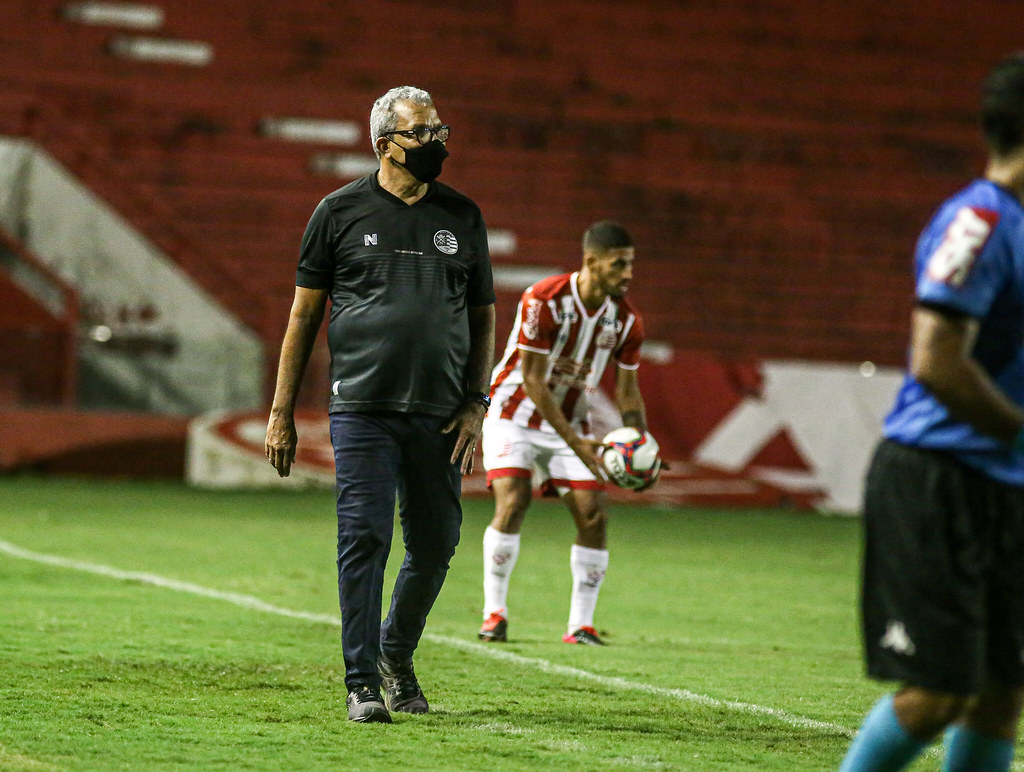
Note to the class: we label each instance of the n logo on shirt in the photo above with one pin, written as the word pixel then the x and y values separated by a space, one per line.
pixel 369 239
pixel 965 238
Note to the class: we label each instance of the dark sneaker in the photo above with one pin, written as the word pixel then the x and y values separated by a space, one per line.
pixel 585 635
pixel 366 706
pixel 402 692
pixel 494 629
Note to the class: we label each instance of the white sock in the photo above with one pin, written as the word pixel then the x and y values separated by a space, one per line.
pixel 588 569
pixel 500 553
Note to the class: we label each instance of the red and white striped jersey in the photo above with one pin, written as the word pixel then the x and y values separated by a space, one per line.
pixel 552 320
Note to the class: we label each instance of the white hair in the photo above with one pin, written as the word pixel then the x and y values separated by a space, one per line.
pixel 382 116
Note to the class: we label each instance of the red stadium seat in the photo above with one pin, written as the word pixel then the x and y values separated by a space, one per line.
pixel 774 167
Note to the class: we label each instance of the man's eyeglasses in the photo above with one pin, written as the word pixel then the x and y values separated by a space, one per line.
pixel 423 134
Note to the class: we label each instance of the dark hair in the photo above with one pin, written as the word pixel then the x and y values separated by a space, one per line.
pixel 605 235
pixel 1002 106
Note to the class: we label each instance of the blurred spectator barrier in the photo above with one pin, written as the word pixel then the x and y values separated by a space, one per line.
pixel 151 339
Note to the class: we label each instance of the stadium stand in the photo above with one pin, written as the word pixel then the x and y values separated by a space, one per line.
pixel 774 160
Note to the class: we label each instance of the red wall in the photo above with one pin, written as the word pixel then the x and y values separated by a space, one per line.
pixel 103 444
pixel 37 351
pixel 775 159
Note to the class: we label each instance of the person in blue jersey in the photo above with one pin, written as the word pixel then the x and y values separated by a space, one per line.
pixel 943 576
pixel 404 262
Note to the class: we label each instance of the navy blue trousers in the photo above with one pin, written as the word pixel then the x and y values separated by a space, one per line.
pixel 379 455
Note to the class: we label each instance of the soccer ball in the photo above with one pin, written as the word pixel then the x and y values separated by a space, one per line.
pixel 630 457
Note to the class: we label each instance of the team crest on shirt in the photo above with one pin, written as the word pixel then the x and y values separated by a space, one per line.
pixel 608 336
pixel 446 242
pixel 606 339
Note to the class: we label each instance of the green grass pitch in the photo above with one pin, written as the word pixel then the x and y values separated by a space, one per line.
pixel 150 626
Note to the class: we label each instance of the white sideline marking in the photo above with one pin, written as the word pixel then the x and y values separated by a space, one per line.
pixel 484 650
pixel 615 682
pixel 246 601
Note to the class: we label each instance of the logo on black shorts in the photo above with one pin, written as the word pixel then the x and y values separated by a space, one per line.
pixel 446 242
pixel 897 639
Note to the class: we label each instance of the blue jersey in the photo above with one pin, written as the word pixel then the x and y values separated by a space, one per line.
pixel 970 259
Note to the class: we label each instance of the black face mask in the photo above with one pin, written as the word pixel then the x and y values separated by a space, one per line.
pixel 424 162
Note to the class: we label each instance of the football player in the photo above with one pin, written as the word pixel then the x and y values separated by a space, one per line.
pixel 943 594
pixel 568 328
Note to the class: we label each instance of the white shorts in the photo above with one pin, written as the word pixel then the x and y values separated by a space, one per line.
pixel 515 451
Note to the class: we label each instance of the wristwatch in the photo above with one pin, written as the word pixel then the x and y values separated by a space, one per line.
pixel 480 398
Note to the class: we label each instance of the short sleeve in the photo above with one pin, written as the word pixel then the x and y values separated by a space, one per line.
pixel 963 266
pixel 480 288
pixel 316 255
pixel 537 326
pixel 628 354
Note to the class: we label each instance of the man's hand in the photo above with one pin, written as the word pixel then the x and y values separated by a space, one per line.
pixel 303 322
pixel 589 452
pixel 468 421
pixel 281 441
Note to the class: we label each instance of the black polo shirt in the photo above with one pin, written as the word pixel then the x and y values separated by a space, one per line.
pixel 400 279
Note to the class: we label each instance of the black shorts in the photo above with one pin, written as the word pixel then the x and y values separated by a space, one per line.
pixel 943 583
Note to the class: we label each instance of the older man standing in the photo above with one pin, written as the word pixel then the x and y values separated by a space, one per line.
pixel 404 261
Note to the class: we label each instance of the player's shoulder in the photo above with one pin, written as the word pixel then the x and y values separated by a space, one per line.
pixel 551 286
pixel 988 202
pixel 361 186
pixel 348 195
pixel 982 216
pixel 452 198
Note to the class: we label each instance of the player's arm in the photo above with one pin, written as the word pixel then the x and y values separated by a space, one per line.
pixel 629 400
pixel 940 359
pixel 535 384
pixel 481 348
pixel 303 324
pixel 469 418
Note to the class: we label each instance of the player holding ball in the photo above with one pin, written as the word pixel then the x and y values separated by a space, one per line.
pixel 567 329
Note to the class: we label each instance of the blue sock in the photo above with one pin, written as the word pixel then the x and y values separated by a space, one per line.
pixel 970 751
pixel 881 745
